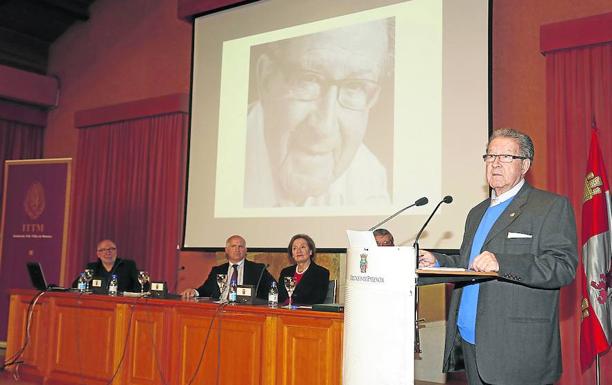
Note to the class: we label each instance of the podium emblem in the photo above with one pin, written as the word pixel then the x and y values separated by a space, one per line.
pixel 363 262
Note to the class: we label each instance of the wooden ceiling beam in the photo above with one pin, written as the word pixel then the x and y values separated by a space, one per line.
pixel 78 9
pixel 23 51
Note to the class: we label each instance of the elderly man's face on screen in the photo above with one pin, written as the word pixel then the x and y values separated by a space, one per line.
pixel 317 91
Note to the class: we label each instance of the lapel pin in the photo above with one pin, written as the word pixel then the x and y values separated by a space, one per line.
pixel 512 214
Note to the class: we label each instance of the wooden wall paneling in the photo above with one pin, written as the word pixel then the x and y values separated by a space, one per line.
pixel 241 351
pixel 242 347
pixel 34 357
pixel 309 351
pixel 35 353
pixel 270 351
pixel 86 340
pixel 149 358
pixel 191 335
pixel 81 339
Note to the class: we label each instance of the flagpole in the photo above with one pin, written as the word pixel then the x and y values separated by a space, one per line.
pixel 597 369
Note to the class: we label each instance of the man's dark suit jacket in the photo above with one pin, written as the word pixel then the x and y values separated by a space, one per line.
pixel 312 287
pixel 517 321
pixel 127 274
pixel 252 272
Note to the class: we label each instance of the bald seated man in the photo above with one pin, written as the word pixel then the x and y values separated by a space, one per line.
pixel 108 264
pixel 248 273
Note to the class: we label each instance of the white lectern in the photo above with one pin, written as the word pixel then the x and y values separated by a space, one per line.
pixel 379 316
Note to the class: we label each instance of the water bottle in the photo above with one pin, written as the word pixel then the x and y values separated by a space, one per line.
pixel 82 283
pixel 233 291
pixel 112 286
pixel 273 295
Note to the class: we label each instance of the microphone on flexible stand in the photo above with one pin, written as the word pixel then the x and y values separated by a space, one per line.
pixel 446 199
pixel 265 266
pixel 419 202
pixel 417 339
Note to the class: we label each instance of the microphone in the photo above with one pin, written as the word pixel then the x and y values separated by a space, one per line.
pixel 446 199
pixel 265 266
pixel 419 202
pixel 417 320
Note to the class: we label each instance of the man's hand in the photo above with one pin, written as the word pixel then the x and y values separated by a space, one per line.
pixel 426 259
pixel 485 262
pixel 189 293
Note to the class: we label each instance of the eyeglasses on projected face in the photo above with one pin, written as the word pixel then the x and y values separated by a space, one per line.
pixel 503 158
pixel 354 94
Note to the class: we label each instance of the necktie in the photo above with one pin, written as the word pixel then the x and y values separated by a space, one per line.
pixel 233 279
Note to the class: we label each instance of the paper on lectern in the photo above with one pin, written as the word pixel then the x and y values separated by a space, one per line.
pixel 361 239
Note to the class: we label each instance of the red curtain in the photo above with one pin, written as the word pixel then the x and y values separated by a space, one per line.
pixel 18 141
pixel 128 188
pixel 579 92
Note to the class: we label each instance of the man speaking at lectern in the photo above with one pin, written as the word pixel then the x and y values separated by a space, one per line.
pixel 508 328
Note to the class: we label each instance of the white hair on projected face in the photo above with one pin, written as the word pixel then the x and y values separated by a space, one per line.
pixel 277 49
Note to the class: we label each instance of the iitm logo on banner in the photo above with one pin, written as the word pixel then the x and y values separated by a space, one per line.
pixel 34 202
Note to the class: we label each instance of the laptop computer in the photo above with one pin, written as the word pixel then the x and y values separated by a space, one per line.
pixel 38 278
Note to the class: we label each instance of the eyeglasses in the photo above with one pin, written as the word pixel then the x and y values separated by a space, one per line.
pixel 354 94
pixel 110 249
pixel 504 158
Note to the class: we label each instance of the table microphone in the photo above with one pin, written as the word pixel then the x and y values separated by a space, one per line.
pixel 265 266
pixel 419 202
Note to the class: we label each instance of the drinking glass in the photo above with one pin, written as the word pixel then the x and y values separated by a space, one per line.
pixel 88 277
pixel 143 278
pixel 290 286
pixel 221 282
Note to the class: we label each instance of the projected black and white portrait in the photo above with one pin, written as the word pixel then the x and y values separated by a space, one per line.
pixel 311 109
pixel 320 116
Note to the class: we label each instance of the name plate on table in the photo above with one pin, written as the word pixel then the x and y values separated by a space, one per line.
pixel 159 289
pixel 245 294
pixel 98 286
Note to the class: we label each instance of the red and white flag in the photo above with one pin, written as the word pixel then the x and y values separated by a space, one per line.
pixel 596 325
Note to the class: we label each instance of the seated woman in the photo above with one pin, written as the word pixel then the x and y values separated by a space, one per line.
pixel 311 280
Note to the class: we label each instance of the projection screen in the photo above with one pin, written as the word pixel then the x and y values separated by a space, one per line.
pixel 318 116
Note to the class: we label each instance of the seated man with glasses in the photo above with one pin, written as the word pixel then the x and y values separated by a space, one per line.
pixel 383 238
pixel 305 133
pixel 108 264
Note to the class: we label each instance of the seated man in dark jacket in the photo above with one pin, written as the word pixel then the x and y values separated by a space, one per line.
pixel 246 272
pixel 108 264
